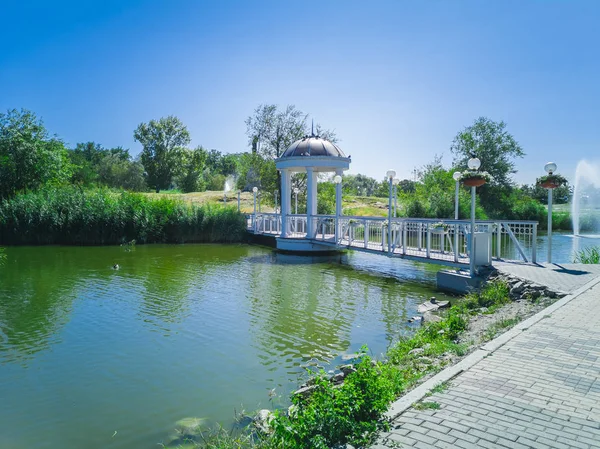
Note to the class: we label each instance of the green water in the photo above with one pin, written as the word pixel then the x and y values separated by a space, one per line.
pixel 178 331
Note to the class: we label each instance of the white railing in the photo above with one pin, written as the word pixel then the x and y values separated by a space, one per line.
pixel 434 239
pixel 297 226
pixel 264 223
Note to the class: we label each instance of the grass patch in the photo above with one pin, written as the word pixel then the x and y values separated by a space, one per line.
pixel 495 328
pixel 429 405
pixel 492 296
pixel 365 211
pixel 439 388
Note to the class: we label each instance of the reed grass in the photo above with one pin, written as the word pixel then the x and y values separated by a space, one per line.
pixel 101 216
pixel 589 255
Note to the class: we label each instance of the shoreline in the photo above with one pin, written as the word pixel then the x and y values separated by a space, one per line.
pixel 423 363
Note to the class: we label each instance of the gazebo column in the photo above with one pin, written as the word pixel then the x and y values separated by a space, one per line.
pixel 311 201
pixel 338 204
pixel 286 178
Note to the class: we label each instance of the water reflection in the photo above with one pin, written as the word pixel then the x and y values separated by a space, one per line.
pixel 191 330
pixel 35 302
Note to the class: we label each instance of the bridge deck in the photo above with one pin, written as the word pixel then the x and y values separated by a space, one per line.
pixel 426 240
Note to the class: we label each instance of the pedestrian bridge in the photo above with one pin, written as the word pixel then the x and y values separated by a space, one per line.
pixel 444 242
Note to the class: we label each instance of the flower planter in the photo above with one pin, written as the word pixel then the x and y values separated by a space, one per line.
pixel 550 185
pixel 551 181
pixel 473 182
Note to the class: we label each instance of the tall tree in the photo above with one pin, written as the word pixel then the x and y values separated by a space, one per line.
pixel 496 149
pixel 492 144
pixel 29 157
pixel 163 142
pixel 194 163
pixel 271 131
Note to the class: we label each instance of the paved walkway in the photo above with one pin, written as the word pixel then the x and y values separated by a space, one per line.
pixel 539 390
pixel 564 277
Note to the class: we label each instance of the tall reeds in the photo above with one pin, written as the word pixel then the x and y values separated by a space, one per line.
pixel 75 216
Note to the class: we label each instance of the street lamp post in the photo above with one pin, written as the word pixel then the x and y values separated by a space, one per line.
pixel 337 180
pixel 390 174
pixel 395 182
pixel 474 164
pixel 456 177
pixel 254 191
pixel 239 200
pixel 550 168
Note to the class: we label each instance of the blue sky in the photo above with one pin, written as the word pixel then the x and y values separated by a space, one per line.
pixel 396 79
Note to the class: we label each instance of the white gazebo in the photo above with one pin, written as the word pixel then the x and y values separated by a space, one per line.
pixel 311 155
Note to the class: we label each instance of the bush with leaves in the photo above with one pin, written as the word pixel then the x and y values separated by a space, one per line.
pixel 349 413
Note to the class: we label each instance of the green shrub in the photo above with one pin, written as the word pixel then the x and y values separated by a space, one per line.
pixel 562 221
pixel 100 216
pixel 493 295
pixel 350 413
pixel 589 255
pixel 415 209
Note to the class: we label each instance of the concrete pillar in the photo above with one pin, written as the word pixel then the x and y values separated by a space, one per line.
pixel 286 178
pixel 311 202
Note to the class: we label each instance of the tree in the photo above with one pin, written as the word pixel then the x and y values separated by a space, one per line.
pixel 163 142
pixel 360 185
pixel 193 166
pixel 114 171
pixel 492 144
pixel 29 157
pixel 92 164
pixel 406 186
pixel 271 131
pixel 496 149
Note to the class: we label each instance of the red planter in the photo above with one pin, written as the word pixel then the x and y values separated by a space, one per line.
pixel 473 182
pixel 550 185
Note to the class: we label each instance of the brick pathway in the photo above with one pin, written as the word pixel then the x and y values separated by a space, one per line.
pixel 539 390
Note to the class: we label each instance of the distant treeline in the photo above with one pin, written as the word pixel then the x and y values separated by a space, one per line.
pixel 99 216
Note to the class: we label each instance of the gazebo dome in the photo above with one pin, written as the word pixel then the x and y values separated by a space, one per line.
pixel 313 146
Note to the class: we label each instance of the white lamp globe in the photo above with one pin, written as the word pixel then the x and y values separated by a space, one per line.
pixel 550 167
pixel 337 179
pixel 474 163
pixel 296 190
pixel 456 175
pixel 255 189
pixel 395 181
pixel 391 174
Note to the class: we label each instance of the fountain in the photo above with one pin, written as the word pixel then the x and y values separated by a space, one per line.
pixel 229 185
pixel 586 193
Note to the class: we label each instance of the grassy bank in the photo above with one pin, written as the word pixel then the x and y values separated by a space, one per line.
pixel 353 411
pixel 377 207
pixel 74 216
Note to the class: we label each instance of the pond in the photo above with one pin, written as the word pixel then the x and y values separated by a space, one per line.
pixel 564 246
pixel 96 357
